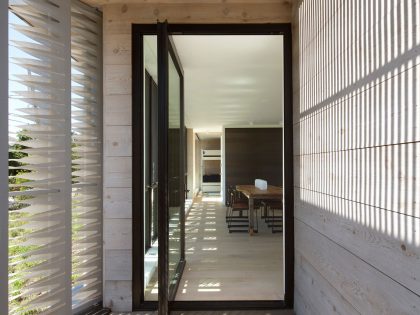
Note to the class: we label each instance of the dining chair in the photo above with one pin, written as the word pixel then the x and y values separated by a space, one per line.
pixel 236 212
pixel 274 215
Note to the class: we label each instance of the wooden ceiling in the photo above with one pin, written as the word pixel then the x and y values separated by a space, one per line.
pixel 100 3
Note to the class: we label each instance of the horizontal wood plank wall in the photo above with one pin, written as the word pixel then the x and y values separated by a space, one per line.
pixel 118 19
pixel 252 153
pixel 357 156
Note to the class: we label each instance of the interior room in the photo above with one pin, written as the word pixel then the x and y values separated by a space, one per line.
pixel 233 109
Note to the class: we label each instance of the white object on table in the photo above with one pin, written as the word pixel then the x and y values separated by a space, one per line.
pixel 261 184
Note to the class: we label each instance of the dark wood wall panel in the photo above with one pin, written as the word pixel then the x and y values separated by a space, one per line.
pixel 252 153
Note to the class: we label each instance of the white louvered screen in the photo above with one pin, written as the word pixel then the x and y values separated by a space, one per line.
pixel 39 163
pixel 86 50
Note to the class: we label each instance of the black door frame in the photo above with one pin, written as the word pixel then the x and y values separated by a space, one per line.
pixel 137 125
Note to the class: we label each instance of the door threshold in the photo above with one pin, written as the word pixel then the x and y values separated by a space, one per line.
pixel 227 305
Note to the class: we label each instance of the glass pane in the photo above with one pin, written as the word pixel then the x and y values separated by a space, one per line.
pixel 150 103
pixel 174 170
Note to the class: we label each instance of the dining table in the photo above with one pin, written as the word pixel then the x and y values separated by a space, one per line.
pixel 254 193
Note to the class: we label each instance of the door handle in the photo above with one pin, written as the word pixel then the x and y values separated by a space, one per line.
pixel 152 186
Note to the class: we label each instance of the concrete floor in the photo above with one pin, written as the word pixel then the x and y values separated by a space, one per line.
pixel 229 266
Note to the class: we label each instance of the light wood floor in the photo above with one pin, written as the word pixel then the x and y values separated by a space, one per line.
pixel 224 266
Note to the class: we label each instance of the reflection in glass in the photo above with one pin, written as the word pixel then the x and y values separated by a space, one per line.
pixel 150 168
pixel 174 170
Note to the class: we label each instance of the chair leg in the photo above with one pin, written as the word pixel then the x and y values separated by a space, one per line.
pixel 277 222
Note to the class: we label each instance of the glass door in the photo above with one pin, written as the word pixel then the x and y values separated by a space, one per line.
pixel 171 189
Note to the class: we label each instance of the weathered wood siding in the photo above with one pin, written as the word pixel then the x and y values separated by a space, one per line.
pixel 357 156
pixel 118 18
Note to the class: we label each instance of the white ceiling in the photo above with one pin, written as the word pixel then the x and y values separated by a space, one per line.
pixel 231 80
pixel 209 135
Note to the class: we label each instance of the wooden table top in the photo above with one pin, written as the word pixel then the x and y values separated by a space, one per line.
pixel 250 191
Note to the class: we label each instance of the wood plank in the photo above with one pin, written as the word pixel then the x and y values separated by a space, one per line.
pixel 117 203
pixel 117 79
pixel 100 3
pixel 367 289
pixel 117 141
pixel 118 264
pixel 197 13
pixel 301 305
pixel 240 268
pixel 117 49
pixel 117 110
pixel 117 172
pixel 117 234
pixel 250 191
pixel 320 296
pixel 118 295
pixel 353 124
pixel 385 177
pixel 390 250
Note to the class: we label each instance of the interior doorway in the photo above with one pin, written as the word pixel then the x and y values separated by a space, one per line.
pixel 214 204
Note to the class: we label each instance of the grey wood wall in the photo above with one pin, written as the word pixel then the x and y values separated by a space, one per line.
pixel 357 156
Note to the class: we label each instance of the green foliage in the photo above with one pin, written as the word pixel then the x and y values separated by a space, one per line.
pixel 18 251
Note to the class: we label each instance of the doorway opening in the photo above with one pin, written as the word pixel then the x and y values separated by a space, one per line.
pixel 227 87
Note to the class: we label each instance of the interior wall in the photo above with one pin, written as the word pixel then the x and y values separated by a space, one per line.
pixel 118 19
pixel 210 167
pixel 210 144
pixel 357 161
pixel 253 153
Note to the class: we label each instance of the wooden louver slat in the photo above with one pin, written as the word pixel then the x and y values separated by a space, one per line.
pixel 87 150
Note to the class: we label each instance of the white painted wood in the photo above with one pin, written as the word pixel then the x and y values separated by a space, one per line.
pixel 117 234
pixel 4 155
pixel 118 264
pixel 117 141
pixel 117 203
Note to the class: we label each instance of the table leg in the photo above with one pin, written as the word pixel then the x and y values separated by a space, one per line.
pixel 251 216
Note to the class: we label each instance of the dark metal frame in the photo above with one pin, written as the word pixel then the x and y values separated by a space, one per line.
pixel 138 264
